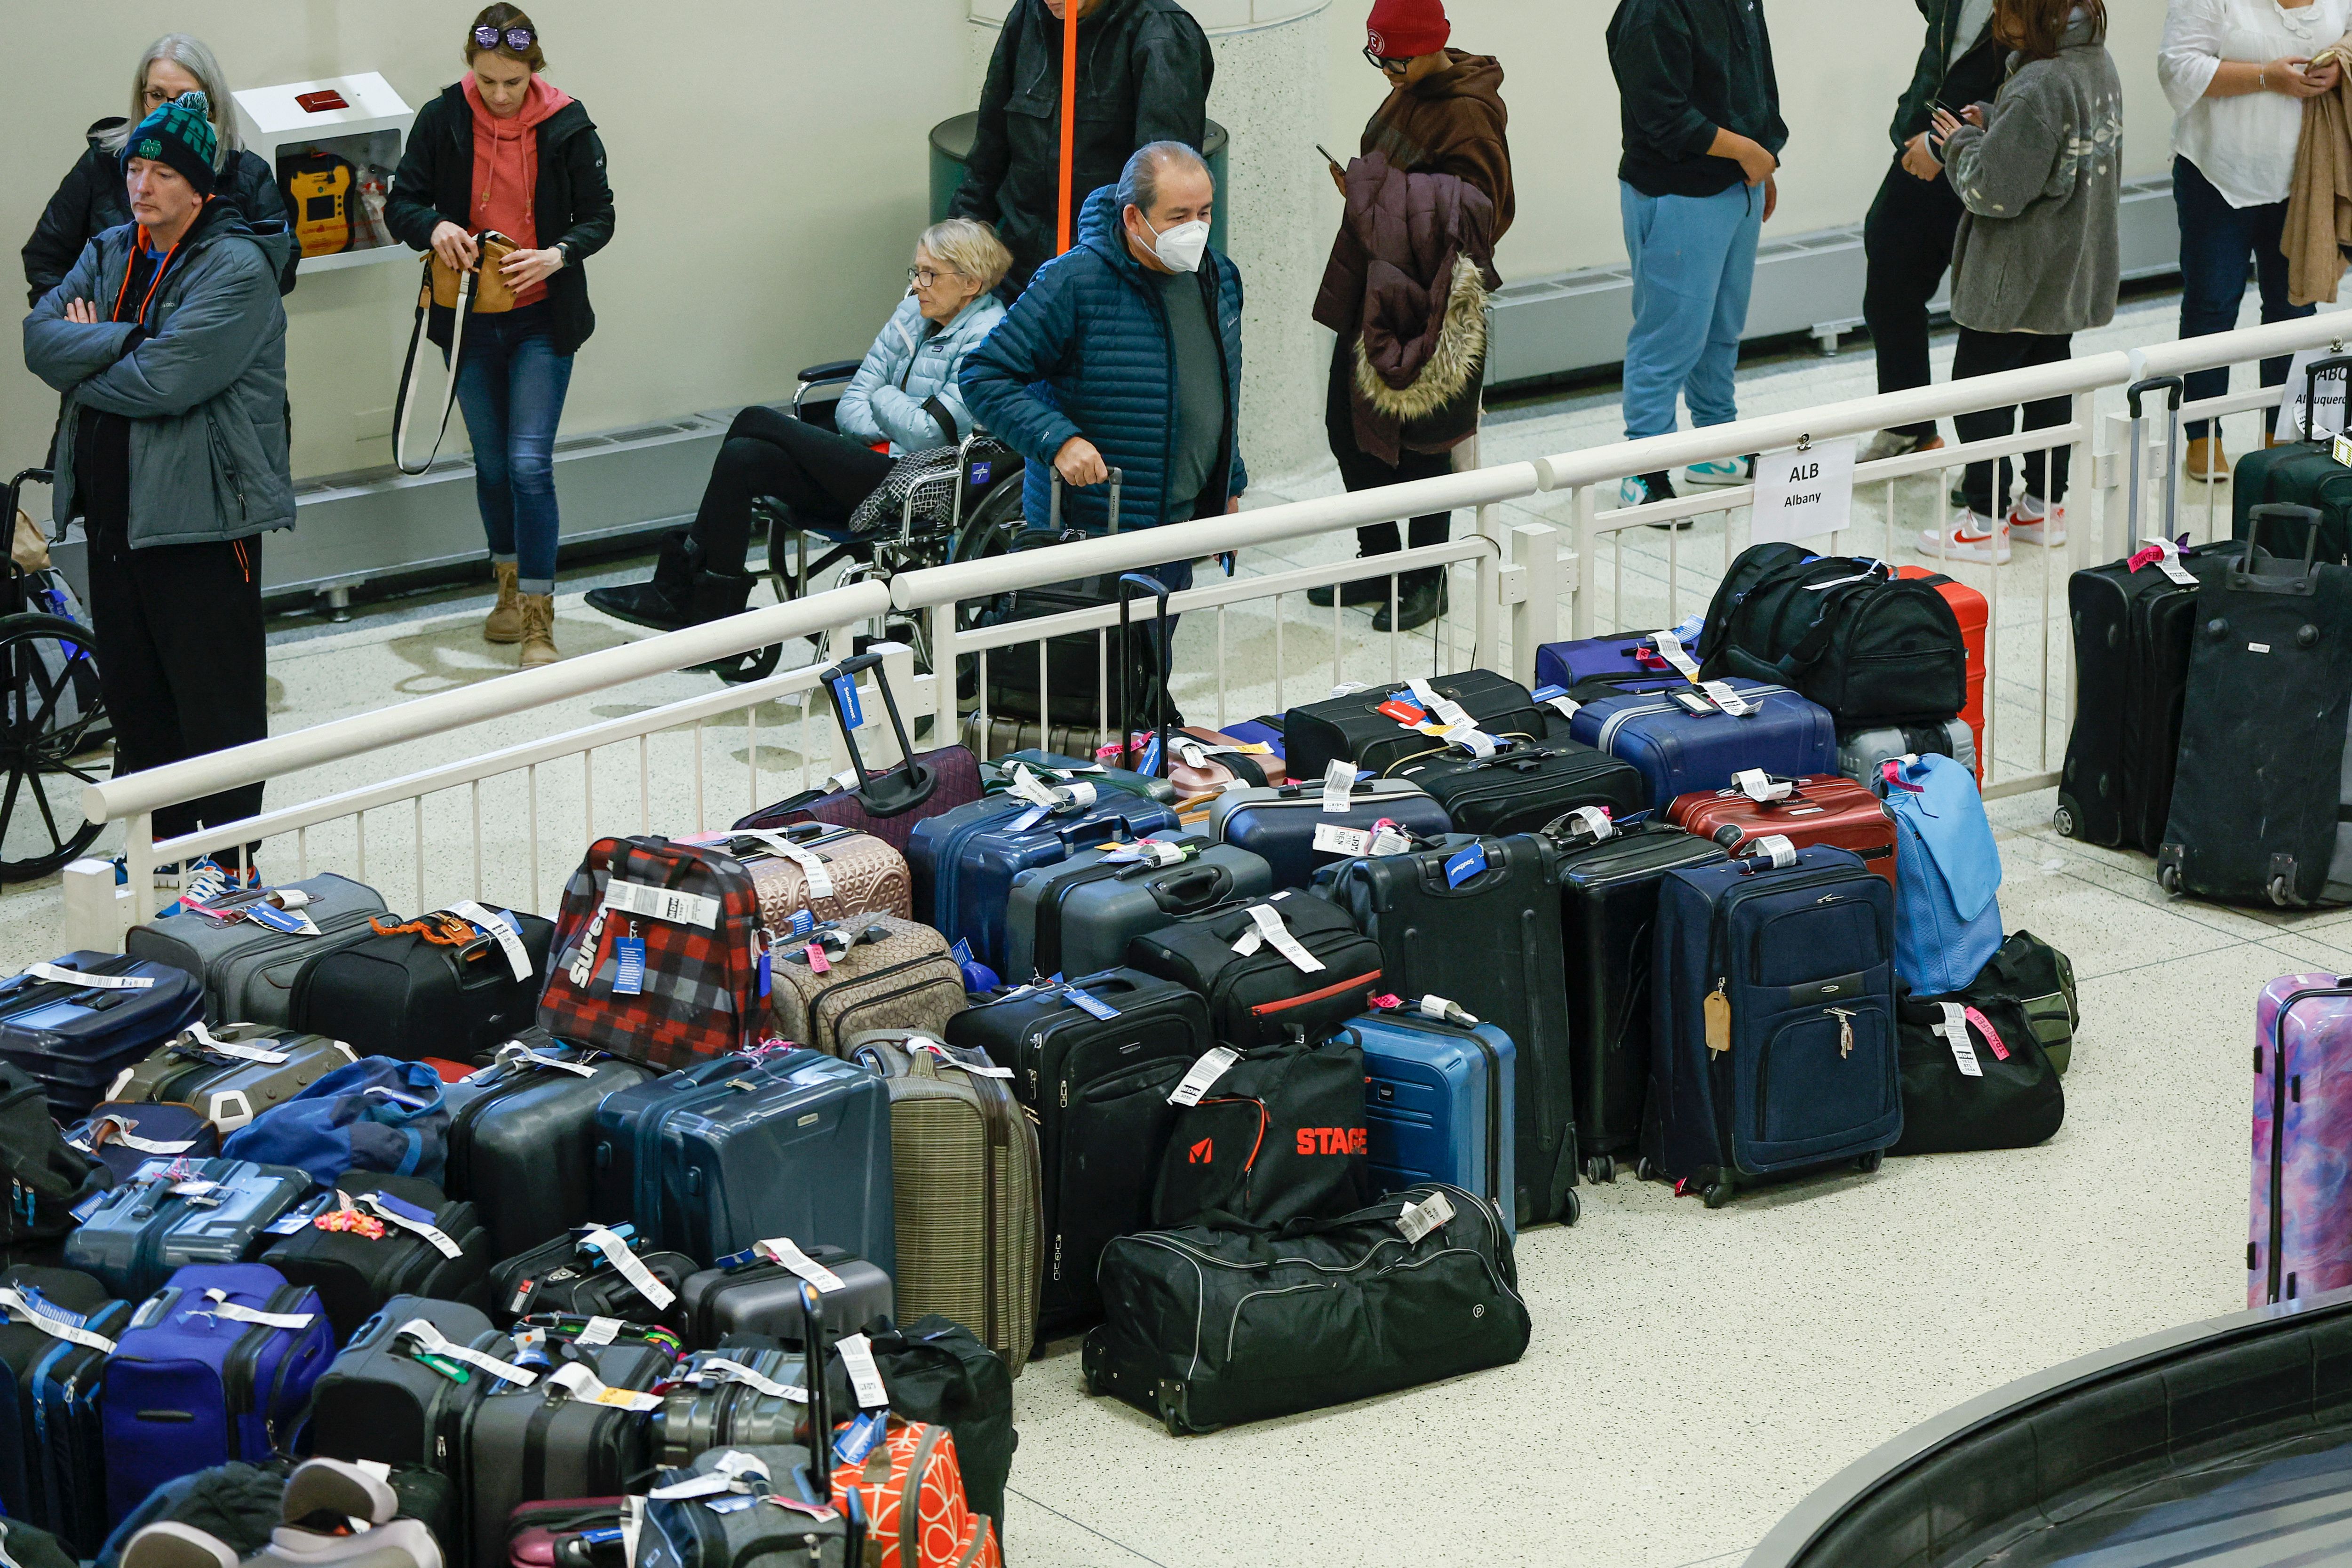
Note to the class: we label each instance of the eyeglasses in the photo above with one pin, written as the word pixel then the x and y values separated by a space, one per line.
pixel 924 276
pixel 519 40
pixel 1388 62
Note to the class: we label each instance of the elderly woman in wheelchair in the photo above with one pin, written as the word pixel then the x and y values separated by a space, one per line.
pixel 803 477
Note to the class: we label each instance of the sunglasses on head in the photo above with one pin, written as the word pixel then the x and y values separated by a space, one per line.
pixel 519 40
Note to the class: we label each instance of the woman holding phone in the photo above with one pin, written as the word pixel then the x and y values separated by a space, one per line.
pixel 505 150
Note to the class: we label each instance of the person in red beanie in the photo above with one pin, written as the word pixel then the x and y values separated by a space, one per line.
pixel 1404 396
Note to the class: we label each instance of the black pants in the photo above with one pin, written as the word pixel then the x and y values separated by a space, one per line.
pixel 1360 471
pixel 821 475
pixel 1908 241
pixel 1988 353
pixel 181 657
pixel 2216 242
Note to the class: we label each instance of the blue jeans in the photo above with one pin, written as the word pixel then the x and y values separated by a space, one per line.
pixel 2217 241
pixel 511 384
pixel 1694 263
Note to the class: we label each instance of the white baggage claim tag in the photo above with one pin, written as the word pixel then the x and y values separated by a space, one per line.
pixel 1955 1030
pixel 1419 1219
pixel 103 981
pixel 1212 1066
pixel 616 1252
pixel 784 1250
pixel 244 1053
pixel 1269 929
pixel 501 931
pixel 1340 786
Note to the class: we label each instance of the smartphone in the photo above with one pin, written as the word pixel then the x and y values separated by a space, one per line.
pixel 1327 156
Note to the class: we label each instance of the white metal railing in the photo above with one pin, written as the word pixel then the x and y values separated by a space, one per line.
pixel 1569 561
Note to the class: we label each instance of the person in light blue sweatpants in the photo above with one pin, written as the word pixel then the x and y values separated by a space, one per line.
pixel 1694 265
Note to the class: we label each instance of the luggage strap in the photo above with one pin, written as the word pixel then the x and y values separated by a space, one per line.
pixel 720 1370
pixel 115 1128
pixel 60 975
pixel 616 1252
pixel 42 1317
pixel 514 1053
pixel 222 1307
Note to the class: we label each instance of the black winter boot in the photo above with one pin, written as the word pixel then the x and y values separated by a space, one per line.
pixel 661 604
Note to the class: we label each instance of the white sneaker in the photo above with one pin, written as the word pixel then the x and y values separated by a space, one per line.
pixel 1971 536
pixel 1730 471
pixel 2031 524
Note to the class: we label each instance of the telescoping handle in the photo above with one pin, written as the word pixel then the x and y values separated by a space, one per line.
pixel 2339 365
pixel 2173 387
pixel 1129 585
pixel 895 791
pixel 1054 498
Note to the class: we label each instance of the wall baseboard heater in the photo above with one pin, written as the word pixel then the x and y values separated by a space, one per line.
pixel 1805 283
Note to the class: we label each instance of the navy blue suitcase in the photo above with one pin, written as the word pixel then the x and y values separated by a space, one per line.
pixel 73 1039
pixel 1774 1047
pixel 173 1213
pixel 1277 822
pixel 52 1455
pixel 964 860
pixel 744 1148
pixel 1679 750
pixel 1440 1104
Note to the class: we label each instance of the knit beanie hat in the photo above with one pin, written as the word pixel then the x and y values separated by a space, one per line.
pixel 1402 29
pixel 179 133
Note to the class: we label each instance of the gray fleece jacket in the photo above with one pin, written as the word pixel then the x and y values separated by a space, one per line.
pixel 2037 250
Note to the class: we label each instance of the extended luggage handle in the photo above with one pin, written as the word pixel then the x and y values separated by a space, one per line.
pixel 895 791
pixel 1054 498
pixel 2173 387
pixel 2241 572
pixel 2332 365
pixel 1128 584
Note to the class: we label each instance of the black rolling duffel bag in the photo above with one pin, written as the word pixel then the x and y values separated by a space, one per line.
pixel 1217 1323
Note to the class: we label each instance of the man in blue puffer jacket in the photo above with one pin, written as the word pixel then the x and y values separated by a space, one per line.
pixel 1126 353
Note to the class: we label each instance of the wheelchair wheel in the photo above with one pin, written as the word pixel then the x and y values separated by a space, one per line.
pixel 52 721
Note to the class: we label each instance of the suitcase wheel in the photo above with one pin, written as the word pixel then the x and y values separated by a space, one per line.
pixel 1572 1210
pixel 1870 1162
pixel 2167 877
pixel 2064 821
pixel 1601 1169
pixel 1641 1171
pixel 2280 895
pixel 1717 1193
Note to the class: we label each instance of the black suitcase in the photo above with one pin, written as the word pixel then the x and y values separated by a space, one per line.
pixel 571 1275
pixel 355 1275
pixel 522 1136
pixel 1098 1087
pixel 747 1294
pixel 52 1448
pixel 401 995
pixel 45 1176
pixel 1608 901
pixel 2303 473
pixel 730 1398
pixel 1522 787
pixel 1355 729
pixel 2262 804
pixel 2133 622
pixel 379 1402
pixel 1489 941
pixel 555 1440
pixel 1261 997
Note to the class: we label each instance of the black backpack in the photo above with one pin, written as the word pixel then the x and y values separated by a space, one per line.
pixel 44 1176
pixel 1872 648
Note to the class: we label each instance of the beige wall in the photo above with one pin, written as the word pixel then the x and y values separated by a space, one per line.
pixel 770 180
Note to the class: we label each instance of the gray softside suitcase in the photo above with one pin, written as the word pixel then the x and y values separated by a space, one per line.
pixel 1860 751
pixel 528 1445
pixel 174 1213
pixel 1076 917
pixel 248 969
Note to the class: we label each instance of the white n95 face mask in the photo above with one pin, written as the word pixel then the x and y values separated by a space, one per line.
pixel 1181 247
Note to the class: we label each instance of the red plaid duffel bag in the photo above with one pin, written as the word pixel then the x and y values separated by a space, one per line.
pixel 658 951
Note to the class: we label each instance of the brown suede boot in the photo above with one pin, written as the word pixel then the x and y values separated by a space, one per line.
pixel 2206 460
pixel 504 622
pixel 538 634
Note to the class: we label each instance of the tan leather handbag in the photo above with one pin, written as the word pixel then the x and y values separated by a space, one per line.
pixel 480 290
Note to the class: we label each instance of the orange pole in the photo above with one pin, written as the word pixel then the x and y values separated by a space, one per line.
pixel 1069 112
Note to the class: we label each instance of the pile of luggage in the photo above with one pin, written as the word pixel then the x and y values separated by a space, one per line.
pixel 715 1215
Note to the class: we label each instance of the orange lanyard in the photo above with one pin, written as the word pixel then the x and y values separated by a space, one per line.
pixel 163 267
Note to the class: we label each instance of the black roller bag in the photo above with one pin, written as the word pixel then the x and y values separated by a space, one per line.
pixel 2261 800
pixel 1217 1324
pixel 1354 728
pixel 377 1400
pixel 45 1176
pixel 522 1136
pixel 1524 786
pixel 1098 1087
pixel 52 1444
pixel 1489 941
pixel 1262 997
pixel 355 1275
pixel 1278 1135
pixel 567 1275
pixel 2300 473
pixel 1872 648
pixel 1994 1089
pixel 398 995
pixel 529 1444
pixel 1609 904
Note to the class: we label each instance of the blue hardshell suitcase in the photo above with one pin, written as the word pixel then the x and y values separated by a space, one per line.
pixel 1796 966
pixel 742 1149
pixel 964 860
pixel 195 1381
pixel 173 1213
pixel 52 1455
pixel 1277 822
pixel 1678 750
pixel 75 1039
pixel 1439 1104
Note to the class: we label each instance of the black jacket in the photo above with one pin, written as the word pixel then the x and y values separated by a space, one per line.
pixel 1684 69
pixel 91 200
pixel 1144 69
pixel 1975 77
pixel 572 204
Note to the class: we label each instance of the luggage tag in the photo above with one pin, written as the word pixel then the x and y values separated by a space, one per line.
pixel 1761 786
pixel 1267 927
pixel 1716 1013
pixel 1465 864
pixel 1331 839
pixel 1692 702
pixel 1419 1219
pixel 1729 699
pixel 1405 711
pixel 1955 1030
pixel 2165 556
pixel 629 964
pixel 844 691
pixel 1212 1066
pixel 1043 799
pixel 63 976
pixel 430 1337
pixel 641 1279
pixel 205 1038
pixel 1771 852
pixel 80 1213
pixel 515 1053
pixel 1450 714
pixel 1593 819
pixel 293 921
pixel 865 1378
pixel 948 1055
pixel 673 905
pixel 720 1370
pixel 856 1439
pixel 502 929
pixel 30 1308
pixel 409 1217
pixel 735 1472
pixel 1557 697
pixel 1151 851
pixel 222 1307
pixel 812 864
pixel 1468 737
pixel 598 1331
pixel 122 1132
pixel 785 1251
pixel 296 1220
pixel 1086 1002
pixel 1340 786
pixel 576 1380
pixel 1436 1006
pixel 1670 648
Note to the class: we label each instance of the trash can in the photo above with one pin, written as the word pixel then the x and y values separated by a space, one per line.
pixel 951 147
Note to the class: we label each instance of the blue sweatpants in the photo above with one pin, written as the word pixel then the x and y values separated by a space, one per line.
pixel 1693 264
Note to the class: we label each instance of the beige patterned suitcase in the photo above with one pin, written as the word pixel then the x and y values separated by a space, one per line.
pixel 877 973
pixel 855 873
pixel 965 1173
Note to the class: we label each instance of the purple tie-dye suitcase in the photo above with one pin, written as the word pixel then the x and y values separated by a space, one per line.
pixel 2299 1235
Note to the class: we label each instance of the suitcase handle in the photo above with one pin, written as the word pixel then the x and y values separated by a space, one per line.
pixel 2173 388
pixel 2240 577
pixel 2335 365
pixel 894 791
pixel 820 1407
pixel 1195 889
pixel 1146 583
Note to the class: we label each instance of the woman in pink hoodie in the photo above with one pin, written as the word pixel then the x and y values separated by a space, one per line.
pixel 505 150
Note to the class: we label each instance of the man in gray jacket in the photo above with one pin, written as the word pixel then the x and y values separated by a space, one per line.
pixel 168 343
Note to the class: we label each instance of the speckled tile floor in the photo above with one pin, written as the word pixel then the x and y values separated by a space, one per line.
pixel 1692 1374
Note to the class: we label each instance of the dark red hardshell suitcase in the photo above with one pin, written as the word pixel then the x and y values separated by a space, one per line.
pixel 1826 808
pixel 890 804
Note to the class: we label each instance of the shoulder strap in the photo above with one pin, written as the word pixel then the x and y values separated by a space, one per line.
pixel 417 341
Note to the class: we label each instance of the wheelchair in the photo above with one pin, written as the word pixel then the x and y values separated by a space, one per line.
pixel 53 721
pixel 981 517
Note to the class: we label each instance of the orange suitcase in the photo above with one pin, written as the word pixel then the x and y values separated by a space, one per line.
pixel 1970 609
